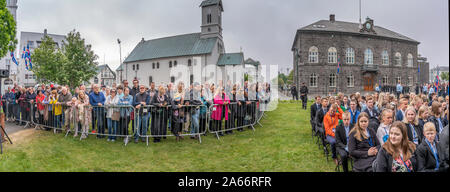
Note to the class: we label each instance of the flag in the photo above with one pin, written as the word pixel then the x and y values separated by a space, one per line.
pixel 26 63
pixel 23 53
pixel 339 66
pixel 31 64
pixel 14 58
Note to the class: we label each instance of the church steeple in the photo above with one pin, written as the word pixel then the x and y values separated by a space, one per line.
pixel 11 5
pixel 211 18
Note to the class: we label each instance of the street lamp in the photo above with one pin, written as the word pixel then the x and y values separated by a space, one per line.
pixel 120 55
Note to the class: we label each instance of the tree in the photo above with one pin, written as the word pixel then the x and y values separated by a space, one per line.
pixel 444 76
pixel 80 65
pixel 72 65
pixel 48 60
pixel 8 39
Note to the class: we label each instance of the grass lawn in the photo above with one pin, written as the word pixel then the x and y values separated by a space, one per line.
pixel 284 144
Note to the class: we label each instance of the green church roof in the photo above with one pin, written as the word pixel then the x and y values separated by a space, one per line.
pixel 231 59
pixel 180 45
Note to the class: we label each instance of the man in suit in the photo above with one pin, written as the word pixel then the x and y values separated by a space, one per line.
pixel 294 92
pixel 304 95
pixel 403 104
pixel 342 132
pixel 314 107
pixel 373 114
pixel 319 116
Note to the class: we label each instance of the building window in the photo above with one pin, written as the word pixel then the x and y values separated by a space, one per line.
pixel 368 57
pixel 313 80
pixel 313 55
pixel 385 80
pixel 172 79
pixel 170 64
pixel 157 65
pixel 134 67
pixel 333 80
pixel 410 60
pixel 385 58
pixel 350 81
pixel 398 80
pixel 153 65
pixel 398 59
pixel 189 62
pixel 350 56
pixel 174 63
pixel 137 67
pixel 150 79
pixel 332 55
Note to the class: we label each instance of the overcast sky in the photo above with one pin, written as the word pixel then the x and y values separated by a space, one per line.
pixel 265 29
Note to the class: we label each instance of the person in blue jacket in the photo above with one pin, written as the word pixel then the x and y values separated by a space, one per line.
pixel 97 101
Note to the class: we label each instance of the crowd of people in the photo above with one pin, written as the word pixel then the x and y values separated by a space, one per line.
pixel 149 111
pixel 383 132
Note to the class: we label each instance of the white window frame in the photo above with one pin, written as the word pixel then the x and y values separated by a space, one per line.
pixel 398 59
pixel 313 55
pixel 385 80
pixel 410 61
pixel 350 56
pixel 313 78
pixel 410 81
pixel 351 81
pixel 368 57
pixel 332 55
pixel 385 58
pixel 332 83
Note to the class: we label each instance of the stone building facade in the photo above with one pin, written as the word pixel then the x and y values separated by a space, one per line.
pixel 367 55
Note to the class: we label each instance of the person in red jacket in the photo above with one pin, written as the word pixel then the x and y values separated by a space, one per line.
pixel 330 122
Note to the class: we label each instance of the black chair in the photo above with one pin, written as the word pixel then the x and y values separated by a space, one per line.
pixel 325 143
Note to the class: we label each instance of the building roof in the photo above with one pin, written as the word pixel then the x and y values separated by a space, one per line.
pixel 101 67
pixel 180 45
pixel 250 61
pixel 352 28
pixel 441 69
pixel 120 68
pixel 210 2
pixel 230 59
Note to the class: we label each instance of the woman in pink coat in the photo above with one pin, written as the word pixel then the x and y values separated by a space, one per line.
pixel 220 109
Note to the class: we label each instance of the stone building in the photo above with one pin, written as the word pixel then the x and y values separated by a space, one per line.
pixel 367 54
pixel 105 76
pixel 194 57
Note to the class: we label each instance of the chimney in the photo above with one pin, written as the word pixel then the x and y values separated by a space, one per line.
pixel 45 32
pixel 143 40
pixel 332 17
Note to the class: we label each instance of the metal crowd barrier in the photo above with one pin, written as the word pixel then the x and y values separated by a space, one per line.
pixel 170 121
pixel 21 112
pixel 241 114
pixel 83 120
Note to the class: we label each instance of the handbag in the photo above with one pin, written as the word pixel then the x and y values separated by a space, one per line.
pixel 115 116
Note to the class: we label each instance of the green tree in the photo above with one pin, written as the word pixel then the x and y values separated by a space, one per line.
pixel 8 39
pixel 444 76
pixel 47 60
pixel 72 65
pixel 80 65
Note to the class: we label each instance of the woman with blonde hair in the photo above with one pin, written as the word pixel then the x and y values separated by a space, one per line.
pixel 397 154
pixel 411 122
pixel 363 144
pixel 387 116
pixel 84 113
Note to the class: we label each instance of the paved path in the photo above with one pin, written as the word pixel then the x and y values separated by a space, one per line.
pixel 13 128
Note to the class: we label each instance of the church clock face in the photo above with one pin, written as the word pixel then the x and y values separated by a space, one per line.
pixel 368 26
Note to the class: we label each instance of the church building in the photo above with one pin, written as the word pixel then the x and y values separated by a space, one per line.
pixel 194 57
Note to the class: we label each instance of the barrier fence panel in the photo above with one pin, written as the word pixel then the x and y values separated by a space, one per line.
pixel 234 116
pixel 20 112
pixel 83 120
pixel 159 122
